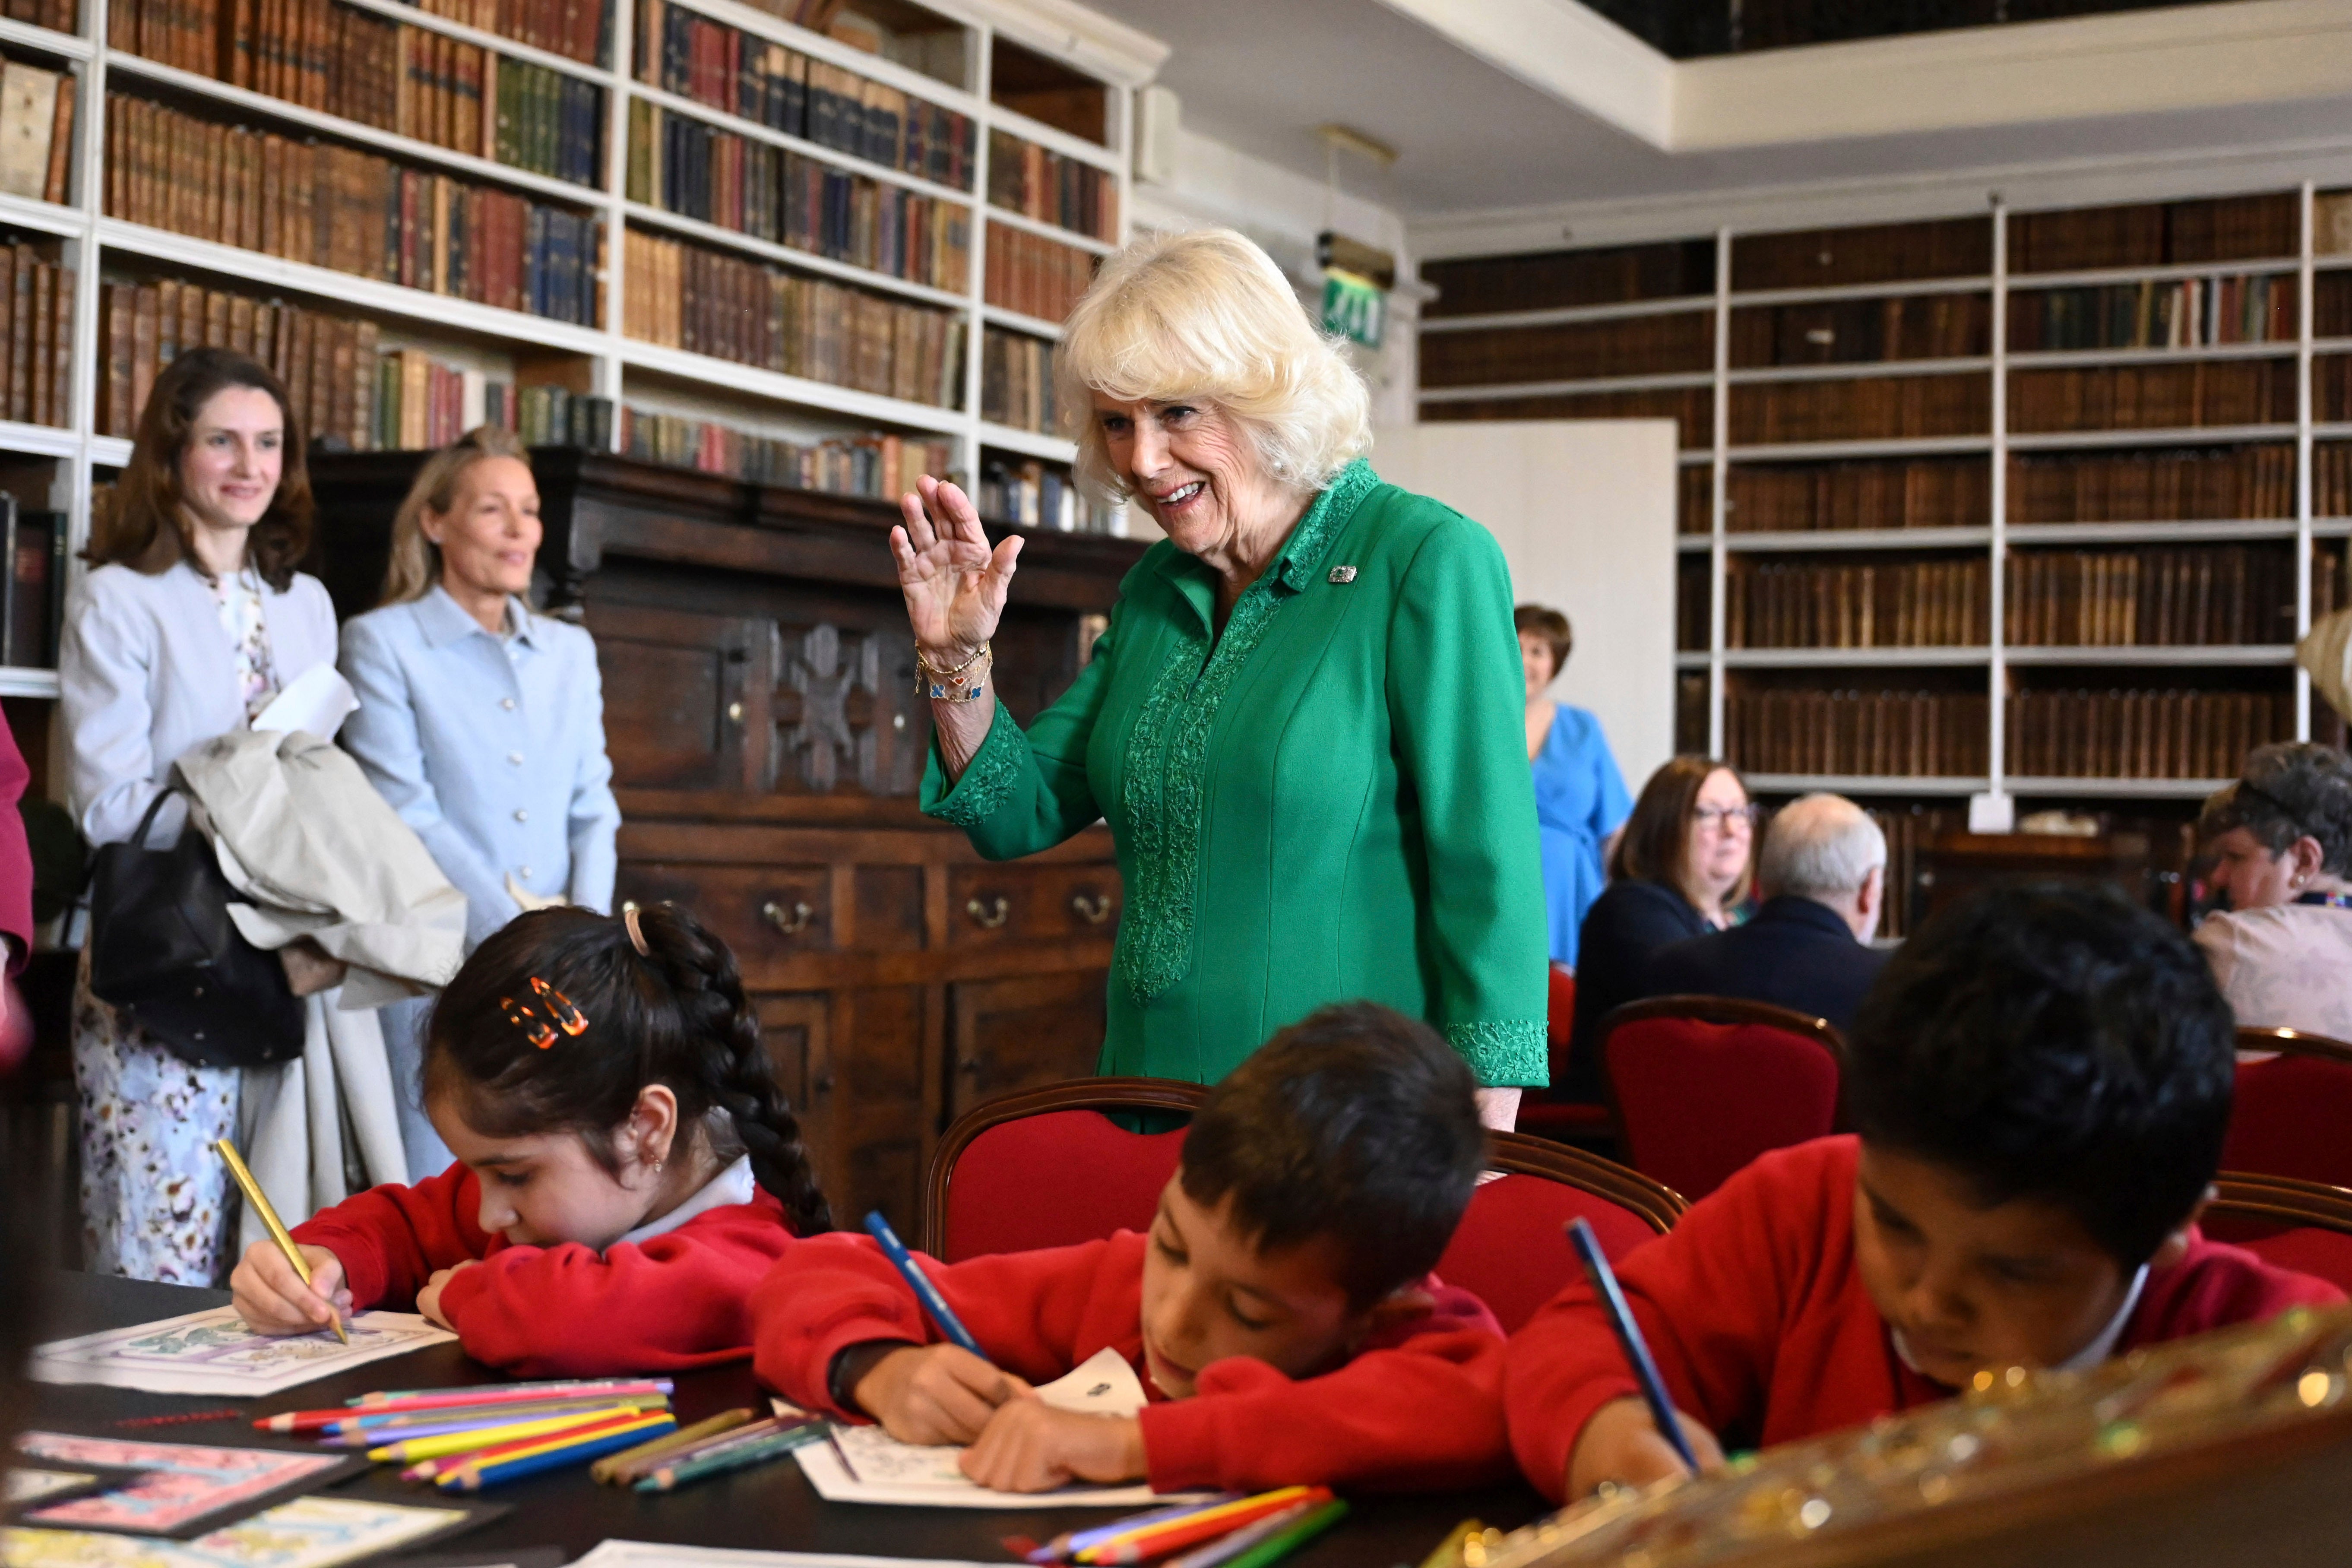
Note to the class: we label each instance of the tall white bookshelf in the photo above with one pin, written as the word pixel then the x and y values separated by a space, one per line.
pixel 98 247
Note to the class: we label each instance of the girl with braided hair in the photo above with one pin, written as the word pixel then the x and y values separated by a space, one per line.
pixel 627 1167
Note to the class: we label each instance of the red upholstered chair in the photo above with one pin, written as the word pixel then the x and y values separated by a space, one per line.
pixel 1049 1168
pixel 1548 1118
pixel 2293 1109
pixel 1511 1251
pixel 2301 1226
pixel 1701 1084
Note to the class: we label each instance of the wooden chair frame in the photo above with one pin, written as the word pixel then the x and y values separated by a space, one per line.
pixel 2294 1043
pixel 2281 1200
pixel 1078 1094
pixel 1516 1154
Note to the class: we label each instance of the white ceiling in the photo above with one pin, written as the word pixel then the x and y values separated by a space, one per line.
pixel 1474 136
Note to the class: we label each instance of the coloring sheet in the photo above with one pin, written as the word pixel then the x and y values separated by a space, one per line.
pixel 880 1469
pixel 25 1484
pixel 215 1353
pixel 656 1554
pixel 307 1532
pixel 181 1487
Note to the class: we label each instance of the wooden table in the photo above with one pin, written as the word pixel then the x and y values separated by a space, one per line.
pixel 772 1508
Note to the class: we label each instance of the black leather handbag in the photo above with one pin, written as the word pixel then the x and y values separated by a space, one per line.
pixel 165 955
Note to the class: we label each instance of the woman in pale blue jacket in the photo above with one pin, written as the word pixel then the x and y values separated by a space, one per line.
pixel 480 720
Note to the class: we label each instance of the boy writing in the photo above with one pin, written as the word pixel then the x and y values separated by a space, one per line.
pixel 1280 1312
pixel 2040 1082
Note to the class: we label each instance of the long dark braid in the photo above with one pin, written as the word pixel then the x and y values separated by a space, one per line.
pixel 675 1015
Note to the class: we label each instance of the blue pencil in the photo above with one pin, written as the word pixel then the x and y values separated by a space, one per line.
pixel 1628 1335
pixel 925 1291
pixel 473 1479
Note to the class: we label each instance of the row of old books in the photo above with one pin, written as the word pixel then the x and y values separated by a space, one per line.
pixel 349 211
pixel 757 188
pixel 1039 183
pixel 37 116
pixel 1853 331
pixel 37 317
pixel 33 545
pixel 1791 498
pixel 686 297
pixel 1878 253
pixel 2331 388
pixel 2195 595
pixel 1565 280
pixel 2331 304
pixel 880 464
pixel 2168 485
pixel 1570 351
pixel 2331 479
pixel 576 29
pixel 1035 276
pixel 1017 381
pixel 726 69
pixel 2134 735
pixel 1688 406
pixel 1909 831
pixel 1898 734
pixel 2153 397
pixel 1030 494
pixel 2157 234
pixel 1881 407
pixel 1912 603
pixel 2188 314
pixel 548 123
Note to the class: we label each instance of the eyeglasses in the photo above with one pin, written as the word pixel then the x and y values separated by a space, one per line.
pixel 1726 815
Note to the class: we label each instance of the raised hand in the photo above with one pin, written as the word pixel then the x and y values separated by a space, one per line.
pixel 955 585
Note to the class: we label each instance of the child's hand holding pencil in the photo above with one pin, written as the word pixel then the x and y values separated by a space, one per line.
pixel 272 1299
pixel 929 1394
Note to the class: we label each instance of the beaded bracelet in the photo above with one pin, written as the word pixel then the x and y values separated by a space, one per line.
pixel 964 683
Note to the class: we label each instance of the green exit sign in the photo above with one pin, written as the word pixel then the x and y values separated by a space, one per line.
pixel 1353 308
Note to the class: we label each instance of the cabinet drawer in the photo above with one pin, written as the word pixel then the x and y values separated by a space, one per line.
pixel 1028 902
pixel 763 912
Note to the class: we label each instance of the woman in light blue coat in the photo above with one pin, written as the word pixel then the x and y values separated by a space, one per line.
pixel 481 720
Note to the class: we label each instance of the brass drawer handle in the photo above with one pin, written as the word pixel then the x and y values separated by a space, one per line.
pixel 1092 911
pixel 791 923
pixel 989 915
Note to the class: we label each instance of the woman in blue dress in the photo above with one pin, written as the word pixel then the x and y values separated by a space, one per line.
pixel 1580 796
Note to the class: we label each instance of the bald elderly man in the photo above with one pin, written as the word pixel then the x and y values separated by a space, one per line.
pixel 1823 875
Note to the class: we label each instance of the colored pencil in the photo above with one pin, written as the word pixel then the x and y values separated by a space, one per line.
pixel 646 1424
pixel 925 1291
pixel 1275 1548
pixel 475 1476
pixel 408 1450
pixel 503 1394
pixel 832 1440
pixel 365 1430
pixel 735 1456
pixel 1071 1540
pixel 1159 1540
pixel 1247 1536
pixel 703 1449
pixel 1629 1337
pixel 622 1468
pixel 259 1201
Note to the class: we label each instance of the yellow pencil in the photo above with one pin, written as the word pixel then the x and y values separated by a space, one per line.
pixel 410 1448
pixel 253 1195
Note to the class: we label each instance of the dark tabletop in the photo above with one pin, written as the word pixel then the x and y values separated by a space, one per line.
pixel 770 1508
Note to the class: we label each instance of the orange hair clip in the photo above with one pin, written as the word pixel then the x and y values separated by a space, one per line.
pixel 560 1014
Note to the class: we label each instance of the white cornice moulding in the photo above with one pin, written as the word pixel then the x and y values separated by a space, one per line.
pixel 1561 47
pixel 1086 38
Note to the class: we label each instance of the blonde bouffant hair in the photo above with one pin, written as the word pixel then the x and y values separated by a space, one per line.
pixel 1205 314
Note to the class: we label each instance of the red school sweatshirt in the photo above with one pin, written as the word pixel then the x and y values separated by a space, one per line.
pixel 1762 1328
pixel 1419 1408
pixel 669 1302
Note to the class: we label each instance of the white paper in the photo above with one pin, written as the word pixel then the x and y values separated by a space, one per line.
pixel 890 1471
pixel 215 1353
pixel 663 1554
pixel 316 701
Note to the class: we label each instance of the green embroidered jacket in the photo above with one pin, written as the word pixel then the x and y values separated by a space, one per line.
pixel 1330 802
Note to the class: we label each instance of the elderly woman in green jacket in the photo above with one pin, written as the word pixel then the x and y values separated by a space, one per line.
pixel 1304 724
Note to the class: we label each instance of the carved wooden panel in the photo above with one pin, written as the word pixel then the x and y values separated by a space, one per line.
pixel 845 713
pixel 685 697
pixel 1019 1033
pixel 869 1114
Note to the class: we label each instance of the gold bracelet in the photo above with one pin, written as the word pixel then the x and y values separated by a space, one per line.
pixel 961 684
pixel 928 667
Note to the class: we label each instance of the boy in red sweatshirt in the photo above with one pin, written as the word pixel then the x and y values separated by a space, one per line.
pixel 2040 1081
pixel 1280 1312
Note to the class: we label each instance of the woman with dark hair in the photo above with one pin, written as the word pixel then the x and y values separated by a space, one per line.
pixel 1679 868
pixel 191 619
pixel 1580 797
pixel 2282 840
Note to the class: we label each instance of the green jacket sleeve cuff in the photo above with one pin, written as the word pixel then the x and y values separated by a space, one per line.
pixel 986 785
pixel 1509 1053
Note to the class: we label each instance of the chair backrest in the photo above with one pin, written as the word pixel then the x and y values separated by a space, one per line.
pixel 2302 1226
pixel 2293 1109
pixel 1509 1250
pixel 1049 1167
pixel 1701 1084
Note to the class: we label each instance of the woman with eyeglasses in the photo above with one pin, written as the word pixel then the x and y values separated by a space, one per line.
pixel 1679 870
pixel 2281 837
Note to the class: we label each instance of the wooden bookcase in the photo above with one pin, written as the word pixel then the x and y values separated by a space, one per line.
pixel 945 54
pixel 1926 555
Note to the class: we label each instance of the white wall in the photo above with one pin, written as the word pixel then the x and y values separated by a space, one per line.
pixel 1584 510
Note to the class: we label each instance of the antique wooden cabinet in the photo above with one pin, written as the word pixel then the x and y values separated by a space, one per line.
pixel 766 747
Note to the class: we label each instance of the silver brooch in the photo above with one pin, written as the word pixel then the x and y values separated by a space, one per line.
pixel 1343 574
